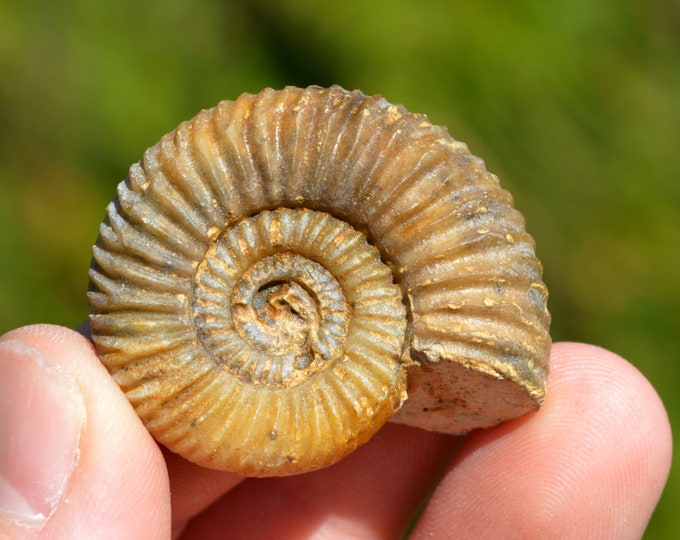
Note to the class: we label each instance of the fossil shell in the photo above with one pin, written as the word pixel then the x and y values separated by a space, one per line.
pixel 272 271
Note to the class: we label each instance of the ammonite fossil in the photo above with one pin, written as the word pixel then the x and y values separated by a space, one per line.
pixel 283 273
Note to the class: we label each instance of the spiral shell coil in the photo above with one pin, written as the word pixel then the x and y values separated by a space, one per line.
pixel 275 269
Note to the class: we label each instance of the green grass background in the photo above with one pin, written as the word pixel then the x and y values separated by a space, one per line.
pixel 574 104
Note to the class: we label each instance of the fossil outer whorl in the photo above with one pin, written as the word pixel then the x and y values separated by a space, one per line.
pixel 269 269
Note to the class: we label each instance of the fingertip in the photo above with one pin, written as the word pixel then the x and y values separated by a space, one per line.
pixel 595 458
pixel 629 419
pixel 49 336
pixel 119 481
pixel 588 378
pixel 41 407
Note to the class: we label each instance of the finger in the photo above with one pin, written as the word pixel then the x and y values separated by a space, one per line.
pixel 592 463
pixel 373 493
pixel 74 458
pixel 194 488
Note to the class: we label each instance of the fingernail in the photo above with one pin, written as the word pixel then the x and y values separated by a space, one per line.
pixel 41 416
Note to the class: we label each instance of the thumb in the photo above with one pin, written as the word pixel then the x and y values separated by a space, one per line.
pixel 75 461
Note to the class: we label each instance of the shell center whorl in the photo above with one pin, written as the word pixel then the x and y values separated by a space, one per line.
pixel 287 304
pixel 282 295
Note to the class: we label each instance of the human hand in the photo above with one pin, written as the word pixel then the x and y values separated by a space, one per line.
pixel 76 463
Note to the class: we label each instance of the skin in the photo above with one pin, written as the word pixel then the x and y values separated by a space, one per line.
pixel 590 464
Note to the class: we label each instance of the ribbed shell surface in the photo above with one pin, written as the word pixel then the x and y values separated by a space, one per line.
pixel 457 281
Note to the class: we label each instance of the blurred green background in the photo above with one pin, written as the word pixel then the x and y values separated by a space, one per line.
pixel 574 104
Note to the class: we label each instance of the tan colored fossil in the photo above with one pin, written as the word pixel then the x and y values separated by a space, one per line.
pixel 283 273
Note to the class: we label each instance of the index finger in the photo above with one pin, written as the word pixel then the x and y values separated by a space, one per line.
pixel 592 462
